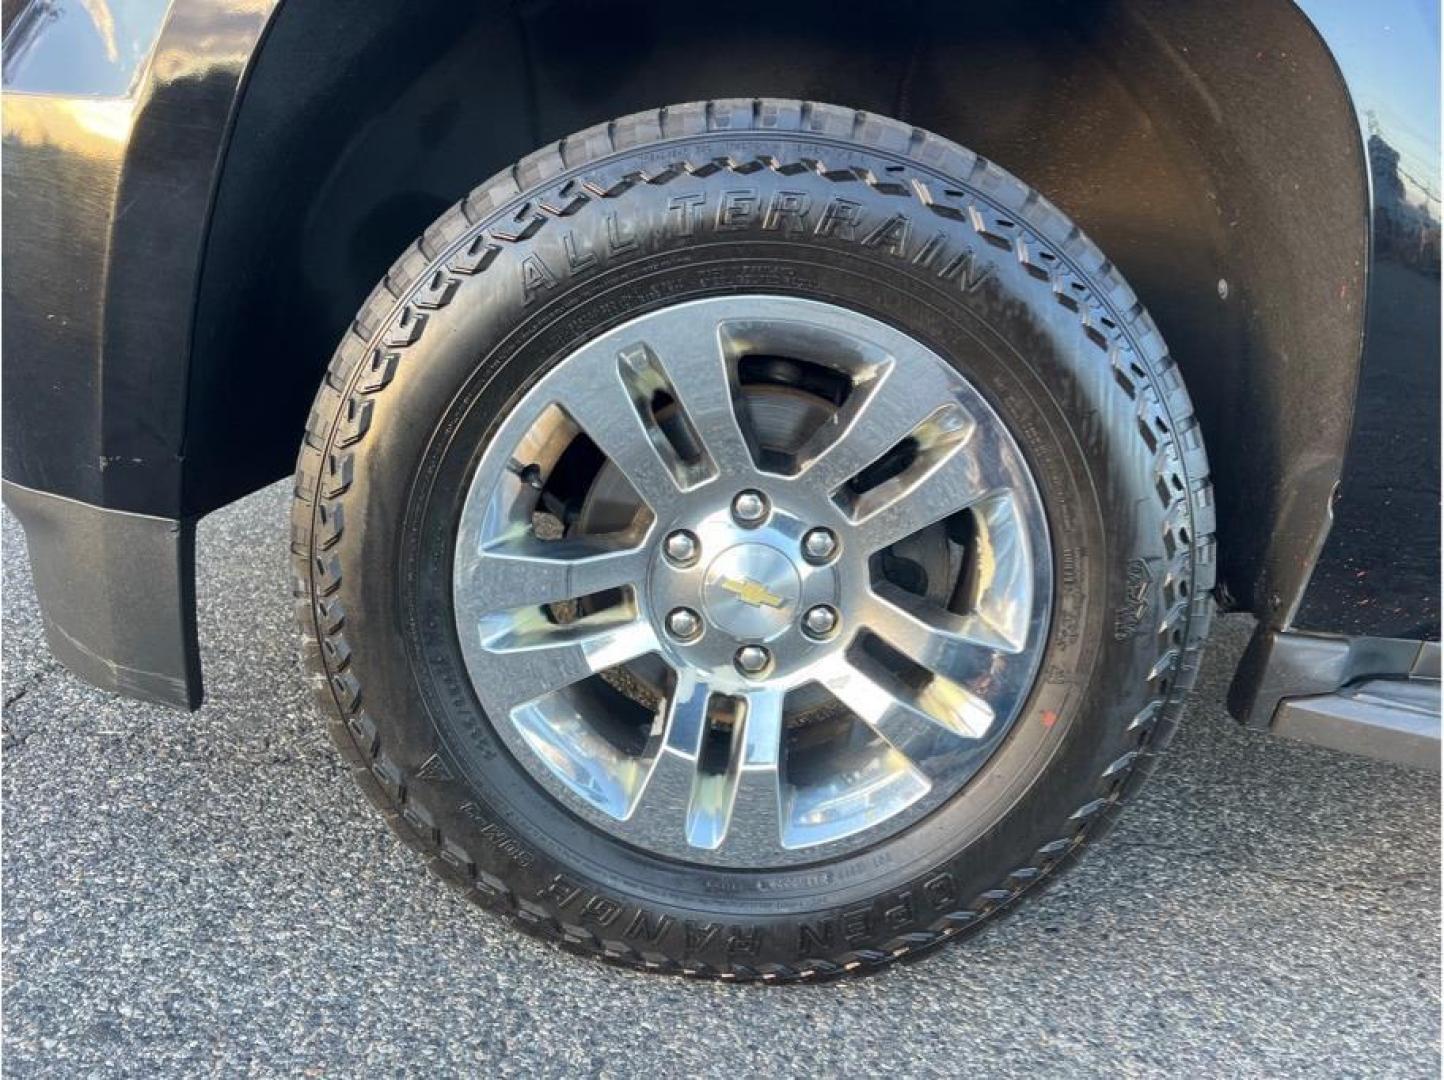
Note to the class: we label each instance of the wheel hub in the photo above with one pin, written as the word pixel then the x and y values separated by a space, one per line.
pixel 751 592
pixel 751 586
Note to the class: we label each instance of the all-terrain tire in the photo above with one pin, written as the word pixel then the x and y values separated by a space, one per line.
pixel 729 197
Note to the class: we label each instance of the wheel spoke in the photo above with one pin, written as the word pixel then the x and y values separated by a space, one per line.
pixel 853 798
pixel 522 656
pixel 885 705
pixel 881 412
pixel 579 756
pixel 662 812
pixel 958 646
pixel 1002 605
pixel 742 807
pixel 701 377
pixel 513 574
pixel 604 409
pixel 962 475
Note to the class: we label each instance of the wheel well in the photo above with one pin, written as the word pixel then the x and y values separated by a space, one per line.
pixel 1222 172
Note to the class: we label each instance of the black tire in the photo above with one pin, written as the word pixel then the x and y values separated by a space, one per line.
pixel 622 218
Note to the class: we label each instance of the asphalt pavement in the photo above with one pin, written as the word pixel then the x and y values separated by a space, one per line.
pixel 208 894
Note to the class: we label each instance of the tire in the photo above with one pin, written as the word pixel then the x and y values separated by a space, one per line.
pixel 739 199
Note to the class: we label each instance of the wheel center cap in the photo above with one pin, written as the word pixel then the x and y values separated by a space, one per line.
pixel 751 592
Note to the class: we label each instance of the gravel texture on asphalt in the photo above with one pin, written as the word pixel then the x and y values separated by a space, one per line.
pixel 209 894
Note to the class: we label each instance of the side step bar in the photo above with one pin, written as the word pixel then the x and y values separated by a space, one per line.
pixel 1390 719
pixel 1379 697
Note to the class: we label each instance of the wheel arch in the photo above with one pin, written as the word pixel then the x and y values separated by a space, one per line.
pixel 1210 167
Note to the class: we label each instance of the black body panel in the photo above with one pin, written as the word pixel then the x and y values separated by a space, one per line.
pixel 107 199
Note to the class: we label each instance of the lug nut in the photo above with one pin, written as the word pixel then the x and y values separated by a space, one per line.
pixel 684 623
pixel 819 545
pixel 753 659
pixel 820 621
pixel 681 548
pixel 750 507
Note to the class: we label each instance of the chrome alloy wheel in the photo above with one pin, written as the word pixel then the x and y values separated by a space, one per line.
pixel 732 639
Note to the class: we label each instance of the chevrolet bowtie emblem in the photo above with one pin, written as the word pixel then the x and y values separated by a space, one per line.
pixel 751 592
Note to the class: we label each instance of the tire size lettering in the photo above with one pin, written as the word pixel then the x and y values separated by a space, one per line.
pixel 503 842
